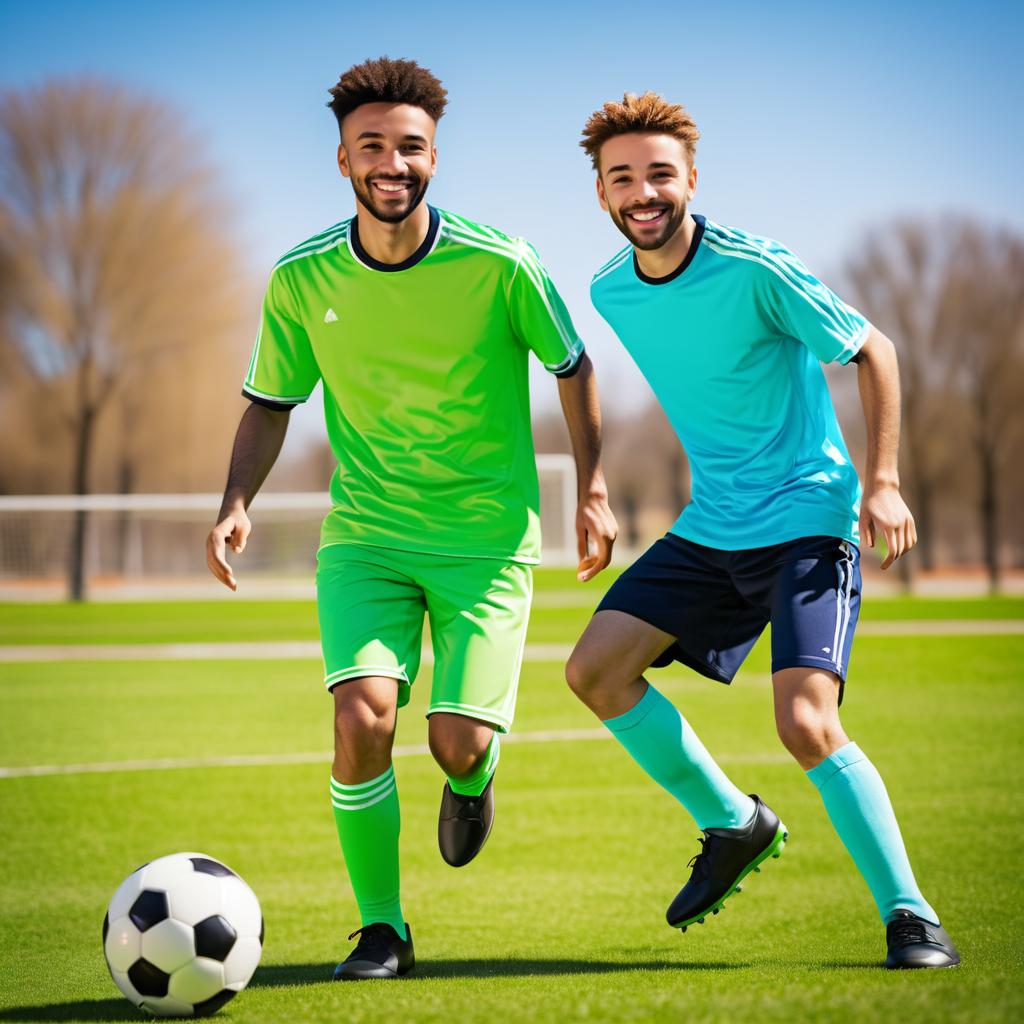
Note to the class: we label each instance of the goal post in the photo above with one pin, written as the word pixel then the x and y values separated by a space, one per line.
pixel 152 545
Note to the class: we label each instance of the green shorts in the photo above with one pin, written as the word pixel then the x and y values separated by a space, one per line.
pixel 371 602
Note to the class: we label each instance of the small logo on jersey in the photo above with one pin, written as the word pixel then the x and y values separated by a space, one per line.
pixel 827 650
pixel 330 317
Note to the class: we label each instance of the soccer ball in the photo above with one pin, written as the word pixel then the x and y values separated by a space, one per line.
pixel 183 935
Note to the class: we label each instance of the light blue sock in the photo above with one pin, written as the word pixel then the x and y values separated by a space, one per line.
pixel 661 741
pixel 861 813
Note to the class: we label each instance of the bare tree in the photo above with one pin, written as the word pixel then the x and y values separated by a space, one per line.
pixel 900 282
pixel 987 284
pixel 115 259
pixel 951 294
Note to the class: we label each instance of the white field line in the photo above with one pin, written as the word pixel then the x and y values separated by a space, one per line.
pixel 255 651
pixel 324 757
pixel 289 650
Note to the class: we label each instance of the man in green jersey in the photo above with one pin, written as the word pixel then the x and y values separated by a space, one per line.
pixel 419 323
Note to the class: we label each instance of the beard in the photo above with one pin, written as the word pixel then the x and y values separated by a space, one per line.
pixel 390 211
pixel 674 217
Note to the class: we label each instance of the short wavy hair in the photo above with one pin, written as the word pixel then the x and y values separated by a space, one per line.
pixel 648 112
pixel 388 81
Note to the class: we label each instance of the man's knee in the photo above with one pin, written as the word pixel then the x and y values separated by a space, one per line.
pixel 808 734
pixel 362 713
pixel 584 674
pixel 364 728
pixel 458 743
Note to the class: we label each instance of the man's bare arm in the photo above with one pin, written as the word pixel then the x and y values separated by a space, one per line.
pixel 595 524
pixel 882 507
pixel 257 444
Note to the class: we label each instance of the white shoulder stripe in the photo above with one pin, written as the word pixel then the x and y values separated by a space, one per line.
pixel 495 245
pixel 523 258
pixel 481 231
pixel 314 240
pixel 780 262
pixel 851 344
pixel 514 254
pixel 614 265
pixel 318 245
pixel 615 259
pixel 758 257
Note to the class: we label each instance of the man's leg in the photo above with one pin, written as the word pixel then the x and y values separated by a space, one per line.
pixel 739 831
pixel 813 586
pixel 371 624
pixel 479 609
pixel 365 798
pixel 606 672
pixel 467 751
pixel 678 602
pixel 807 719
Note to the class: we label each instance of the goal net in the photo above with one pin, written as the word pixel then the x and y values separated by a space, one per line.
pixel 153 545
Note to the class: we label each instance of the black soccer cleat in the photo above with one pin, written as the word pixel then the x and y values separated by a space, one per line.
pixel 727 856
pixel 914 942
pixel 464 824
pixel 380 953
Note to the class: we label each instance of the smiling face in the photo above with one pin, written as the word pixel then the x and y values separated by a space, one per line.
pixel 645 182
pixel 387 149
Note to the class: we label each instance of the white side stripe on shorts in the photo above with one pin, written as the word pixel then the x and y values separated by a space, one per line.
pixel 844 585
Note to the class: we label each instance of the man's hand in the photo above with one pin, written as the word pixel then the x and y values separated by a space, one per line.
pixel 884 510
pixel 595 525
pixel 232 530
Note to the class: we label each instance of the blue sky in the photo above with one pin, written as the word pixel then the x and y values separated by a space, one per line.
pixel 820 121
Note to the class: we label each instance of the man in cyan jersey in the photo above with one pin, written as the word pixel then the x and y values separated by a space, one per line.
pixel 418 323
pixel 730 330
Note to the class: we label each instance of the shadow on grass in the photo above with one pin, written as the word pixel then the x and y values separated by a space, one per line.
pixel 82 1010
pixel 276 975
pixel 281 975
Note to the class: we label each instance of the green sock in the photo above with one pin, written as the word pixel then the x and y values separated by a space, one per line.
pixel 368 820
pixel 476 781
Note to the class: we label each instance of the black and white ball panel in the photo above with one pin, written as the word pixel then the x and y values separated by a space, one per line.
pixel 149 908
pixel 183 934
pixel 214 938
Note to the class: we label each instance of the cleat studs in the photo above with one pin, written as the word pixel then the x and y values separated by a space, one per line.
pixel 683 929
pixel 757 871
pixel 716 910
pixel 700 920
pixel 739 888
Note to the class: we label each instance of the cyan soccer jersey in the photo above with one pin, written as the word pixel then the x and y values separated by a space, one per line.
pixel 424 367
pixel 731 343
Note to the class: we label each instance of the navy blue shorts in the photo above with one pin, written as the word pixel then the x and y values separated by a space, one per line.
pixel 717 603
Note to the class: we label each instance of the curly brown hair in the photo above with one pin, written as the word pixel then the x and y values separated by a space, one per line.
pixel 646 113
pixel 388 81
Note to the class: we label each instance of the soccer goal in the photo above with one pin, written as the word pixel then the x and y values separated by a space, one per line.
pixel 153 545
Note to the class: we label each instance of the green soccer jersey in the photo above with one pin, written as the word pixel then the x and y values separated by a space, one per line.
pixel 424 369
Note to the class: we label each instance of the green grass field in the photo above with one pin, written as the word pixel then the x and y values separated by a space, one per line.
pixel 561 917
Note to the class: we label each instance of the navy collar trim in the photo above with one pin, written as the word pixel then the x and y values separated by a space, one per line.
pixel 698 234
pixel 410 261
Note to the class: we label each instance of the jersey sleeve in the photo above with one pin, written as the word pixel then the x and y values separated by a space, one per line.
pixel 539 317
pixel 283 370
pixel 798 305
